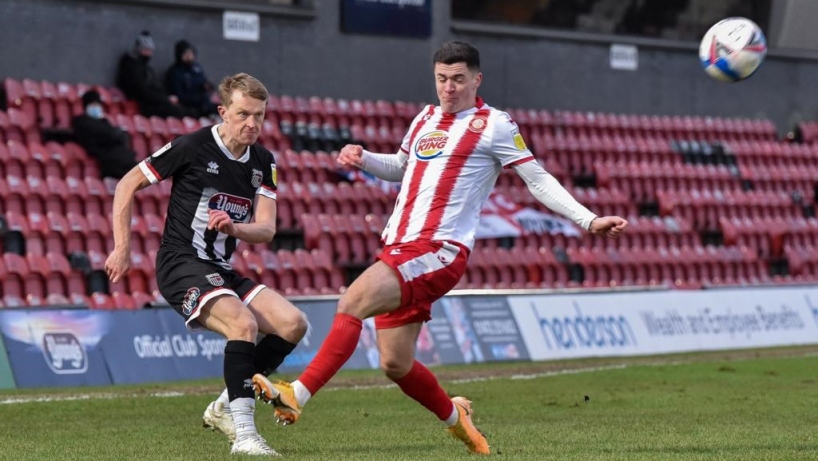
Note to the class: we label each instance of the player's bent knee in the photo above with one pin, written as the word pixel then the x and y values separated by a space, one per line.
pixel 293 327
pixel 244 328
pixel 352 304
pixel 300 326
pixel 394 368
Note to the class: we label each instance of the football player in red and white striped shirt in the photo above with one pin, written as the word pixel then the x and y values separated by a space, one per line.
pixel 447 165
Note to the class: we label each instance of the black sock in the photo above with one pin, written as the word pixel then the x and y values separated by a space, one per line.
pixel 270 353
pixel 238 369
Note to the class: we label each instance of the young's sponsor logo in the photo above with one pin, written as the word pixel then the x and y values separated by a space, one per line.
pixel 237 207
pixel 64 353
pixel 191 300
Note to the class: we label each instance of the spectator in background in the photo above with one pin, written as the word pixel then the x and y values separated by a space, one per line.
pixel 137 79
pixel 103 141
pixel 186 80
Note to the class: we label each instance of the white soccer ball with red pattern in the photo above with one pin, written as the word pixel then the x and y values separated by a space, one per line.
pixel 733 49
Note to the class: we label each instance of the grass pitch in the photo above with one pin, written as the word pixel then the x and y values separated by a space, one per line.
pixel 741 405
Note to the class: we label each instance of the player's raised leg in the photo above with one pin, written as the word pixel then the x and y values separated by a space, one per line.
pixel 397 348
pixel 228 316
pixel 280 325
pixel 376 291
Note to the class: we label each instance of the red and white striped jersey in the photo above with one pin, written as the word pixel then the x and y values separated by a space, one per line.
pixel 453 162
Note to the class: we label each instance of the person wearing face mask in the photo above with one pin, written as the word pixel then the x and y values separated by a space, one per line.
pixel 103 141
pixel 186 80
pixel 137 79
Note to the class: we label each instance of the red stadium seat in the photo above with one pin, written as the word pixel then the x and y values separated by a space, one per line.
pixel 16 273
pixel 286 270
pixel 123 301
pixel 101 301
pixel 22 127
pixel 57 299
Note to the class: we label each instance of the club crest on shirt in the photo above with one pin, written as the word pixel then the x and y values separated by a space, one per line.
pixel 477 125
pixel 255 181
pixel 215 279
pixel 431 145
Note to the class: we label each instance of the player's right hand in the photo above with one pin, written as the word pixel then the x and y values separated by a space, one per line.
pixel 118 264
pixel 351 156
pixel 611 226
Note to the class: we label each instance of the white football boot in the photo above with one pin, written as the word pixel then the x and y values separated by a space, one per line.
pixel 252 444
pixel 217 417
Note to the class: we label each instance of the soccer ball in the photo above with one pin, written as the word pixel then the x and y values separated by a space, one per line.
pixel 732 49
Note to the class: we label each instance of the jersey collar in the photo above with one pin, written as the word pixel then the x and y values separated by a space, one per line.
pixel 244 158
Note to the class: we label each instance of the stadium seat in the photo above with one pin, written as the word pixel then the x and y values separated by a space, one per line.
pixel 285 270
pixel 56 299
pixel 142 300
pixel 16 274
pixel 102 301
pixel 123 301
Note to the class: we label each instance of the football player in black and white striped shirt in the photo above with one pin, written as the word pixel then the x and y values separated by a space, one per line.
pixel 222 177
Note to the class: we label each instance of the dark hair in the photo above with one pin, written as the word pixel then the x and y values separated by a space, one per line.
pixel 90 97
pixel 454 52
pixel 181 47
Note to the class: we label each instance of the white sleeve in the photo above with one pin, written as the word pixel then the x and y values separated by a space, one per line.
pixel 389 167
pixel 550 193
pixel 507 144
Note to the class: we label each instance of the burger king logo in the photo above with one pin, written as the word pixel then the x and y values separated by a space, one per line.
pixel 431 145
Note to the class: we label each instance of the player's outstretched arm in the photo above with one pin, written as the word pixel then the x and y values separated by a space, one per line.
pixel 389 167
pixel 119 261
pixel 262 230
pixel 550 193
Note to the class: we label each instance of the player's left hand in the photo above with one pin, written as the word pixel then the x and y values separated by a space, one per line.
pixel 612 226
pixel 221 221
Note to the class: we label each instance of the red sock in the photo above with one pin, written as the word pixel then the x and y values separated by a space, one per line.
pixel 421 385
pixel 334 352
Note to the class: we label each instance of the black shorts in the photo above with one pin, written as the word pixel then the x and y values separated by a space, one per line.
pixel 188 283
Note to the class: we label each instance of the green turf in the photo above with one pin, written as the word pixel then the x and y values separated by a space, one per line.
pixel 753 408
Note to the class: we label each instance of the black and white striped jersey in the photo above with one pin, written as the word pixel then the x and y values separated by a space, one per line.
pixel 206 176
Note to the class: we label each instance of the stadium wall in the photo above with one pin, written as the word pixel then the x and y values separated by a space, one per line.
pixel 84 347
pixel 81 40
pixel 6 376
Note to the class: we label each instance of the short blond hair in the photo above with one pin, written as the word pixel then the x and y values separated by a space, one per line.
pixel 245 83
